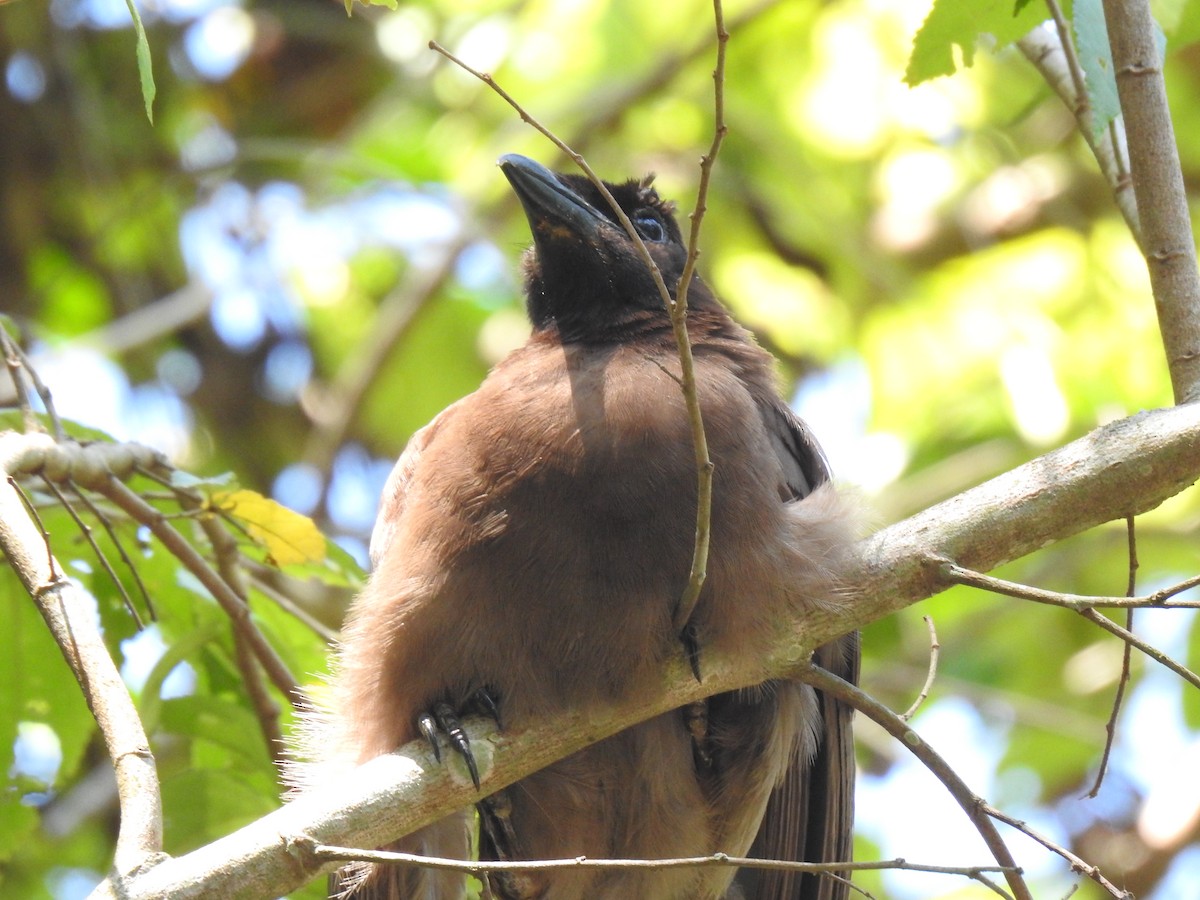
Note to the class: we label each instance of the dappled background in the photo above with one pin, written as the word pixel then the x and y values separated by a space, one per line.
pixel 311 252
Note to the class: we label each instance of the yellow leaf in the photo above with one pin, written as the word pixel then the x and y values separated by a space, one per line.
pixel 288 536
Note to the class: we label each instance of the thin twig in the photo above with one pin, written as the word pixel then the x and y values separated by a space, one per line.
pixel 973 805
pixel 1078 864
pixel 13 363
pixel 934 648
pixel 1081 107
pixel 1151 651
pixel 719 860
pixel 107 524
pixel 43 392
pixel 1110 727
pixel 1082 605
pixel 41 526
pixel 292 608
pixel 266 710
pixel 86 530
pixel 1160 599
pixel 704 465
pixel 178 546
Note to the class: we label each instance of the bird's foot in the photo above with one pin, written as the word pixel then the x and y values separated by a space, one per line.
pixel 695 719
pixel 443 721
pixel 499 842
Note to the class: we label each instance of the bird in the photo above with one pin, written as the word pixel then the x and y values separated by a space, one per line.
pixel 531 547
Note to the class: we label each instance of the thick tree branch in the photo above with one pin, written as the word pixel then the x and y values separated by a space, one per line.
pixel 1166 240
pixel 1122 468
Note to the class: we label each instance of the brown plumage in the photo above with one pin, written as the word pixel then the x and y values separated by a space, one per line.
pixel 532 543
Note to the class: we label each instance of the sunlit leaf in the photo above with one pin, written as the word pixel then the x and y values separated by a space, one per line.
pixel 952 23
pixel 288 536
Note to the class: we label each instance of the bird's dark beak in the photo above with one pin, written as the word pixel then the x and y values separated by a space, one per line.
pixel 555 212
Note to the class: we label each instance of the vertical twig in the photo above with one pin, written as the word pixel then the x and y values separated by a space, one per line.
pixel 1110 727
pixel 265 708
pixel 678 310
pixel 934 649
pixel 1167 241
pixel 13 363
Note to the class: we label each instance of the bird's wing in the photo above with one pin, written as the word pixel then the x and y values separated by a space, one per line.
pixel 804 463
pixel 810 815
pixel 391 503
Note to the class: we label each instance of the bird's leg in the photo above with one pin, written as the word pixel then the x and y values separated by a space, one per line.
pixel 695 719
pixel 442 720
pixel 499 842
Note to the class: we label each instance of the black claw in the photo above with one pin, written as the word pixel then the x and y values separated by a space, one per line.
pixel 428 728
pixel 690 638
pixel 447 722
pixel 485 704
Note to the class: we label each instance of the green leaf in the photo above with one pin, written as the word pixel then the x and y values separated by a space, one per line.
pixel 954 23
pixel 1095 58
pixel 145 69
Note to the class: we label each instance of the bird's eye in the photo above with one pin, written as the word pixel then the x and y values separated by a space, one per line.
pixel 649 226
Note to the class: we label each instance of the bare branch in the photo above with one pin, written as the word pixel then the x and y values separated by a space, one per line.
pixel 1077 864
pixel 106 523
pixel 973 805
pixel 1110 727
pixel 86 530
pixel 934 648
pixel 1167 241
pixel 67 612
pixel 481 867
pixel 704 464
pixel 266 710
pixel 1160 599
pixel 979 580
pixel 1151 651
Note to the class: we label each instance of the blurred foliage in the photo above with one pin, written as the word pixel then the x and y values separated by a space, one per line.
pixel 311 252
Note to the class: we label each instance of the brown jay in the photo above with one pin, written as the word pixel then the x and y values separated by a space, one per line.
pixel 532 544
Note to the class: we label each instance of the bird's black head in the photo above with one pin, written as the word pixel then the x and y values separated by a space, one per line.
pixel 583 275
